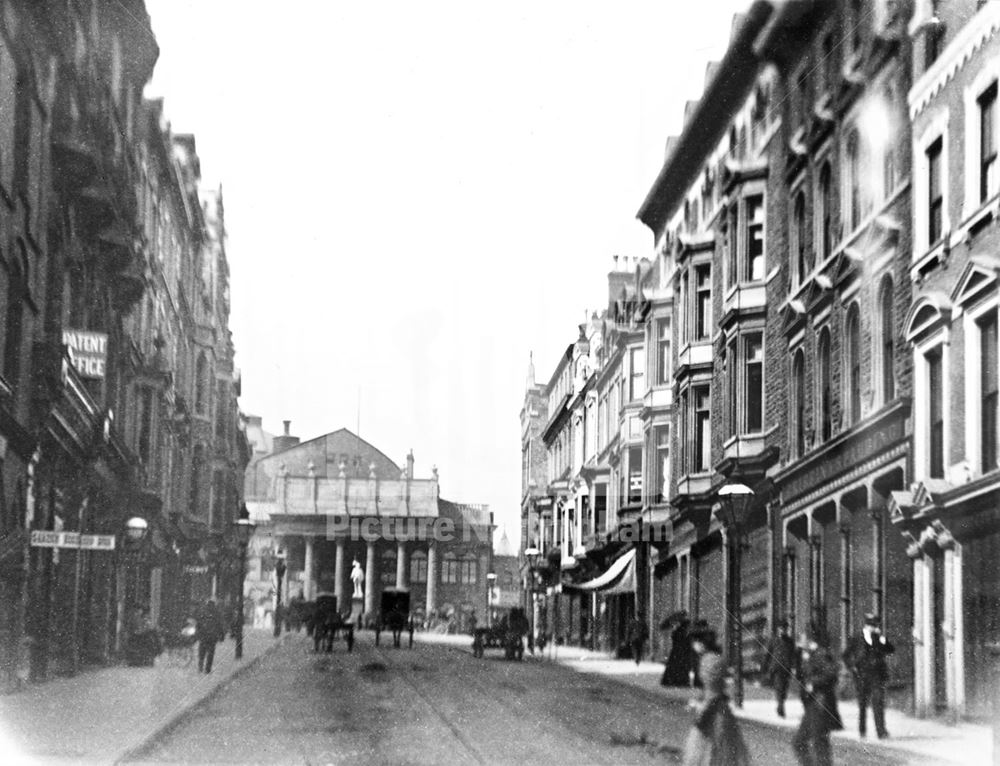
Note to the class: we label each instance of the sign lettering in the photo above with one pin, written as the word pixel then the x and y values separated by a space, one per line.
pixel 41 538
pixel 88 351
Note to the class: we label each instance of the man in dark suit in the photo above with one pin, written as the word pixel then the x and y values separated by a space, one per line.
pixel 865 657
pixel 779 664
pixel 209 632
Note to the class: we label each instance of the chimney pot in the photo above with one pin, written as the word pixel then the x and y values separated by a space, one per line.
pixel 288 425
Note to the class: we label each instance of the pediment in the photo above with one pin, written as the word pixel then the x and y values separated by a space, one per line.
pixel 929 312
pixel 979 274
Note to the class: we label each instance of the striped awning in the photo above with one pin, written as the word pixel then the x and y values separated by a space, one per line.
pixel 618 578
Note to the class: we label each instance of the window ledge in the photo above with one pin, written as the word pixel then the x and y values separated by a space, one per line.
pixel 980 215
pixel 937 253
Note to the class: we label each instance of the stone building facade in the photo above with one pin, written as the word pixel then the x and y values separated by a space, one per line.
pixel 336 499
pixel 98 325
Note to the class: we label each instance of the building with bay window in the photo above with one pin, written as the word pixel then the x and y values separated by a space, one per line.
pixel 785 203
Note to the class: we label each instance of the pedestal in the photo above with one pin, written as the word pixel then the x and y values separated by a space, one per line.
pixel 357 610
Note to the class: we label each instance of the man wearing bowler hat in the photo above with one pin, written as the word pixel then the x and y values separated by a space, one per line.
pixel 865 657
pixel 779 663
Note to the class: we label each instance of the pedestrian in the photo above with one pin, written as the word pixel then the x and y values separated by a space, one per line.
pixel 865 658
pixel 679 669
pixel 779 664
pixel 210 631
pixel 715 738
pixel 818 689
pixel 638 632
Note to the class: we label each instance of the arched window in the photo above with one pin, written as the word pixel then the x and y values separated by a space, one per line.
pixel 418 567
pixel 886 341
pixel 388 568
pixel 200 385
pixel 802 265
pixel 853 363
pixel 854 178
pixel 824 211
pixel 799 404
pixel 824 398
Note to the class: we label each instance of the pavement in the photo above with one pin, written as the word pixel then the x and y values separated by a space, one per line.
pixel 104 715
pixel 928 738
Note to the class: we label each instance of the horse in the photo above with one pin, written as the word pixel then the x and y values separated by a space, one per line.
pixel 395 621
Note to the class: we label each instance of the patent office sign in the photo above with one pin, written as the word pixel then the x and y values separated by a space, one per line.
pixel 88 351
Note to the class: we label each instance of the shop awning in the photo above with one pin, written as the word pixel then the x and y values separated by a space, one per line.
pixel 618 578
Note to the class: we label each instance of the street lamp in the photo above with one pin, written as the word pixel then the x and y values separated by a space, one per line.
pixel 135 532
pixel 136 528
pixel 532 555
pixel 491 581
pixel 244 531
pixel 279 571
pixel 734 502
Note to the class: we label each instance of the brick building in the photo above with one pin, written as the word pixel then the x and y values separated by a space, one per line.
pixel 785 204
pixel 949 516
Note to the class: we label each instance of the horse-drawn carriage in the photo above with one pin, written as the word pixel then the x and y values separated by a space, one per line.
pixel 326 622
pixel 507 634
pixel 394 615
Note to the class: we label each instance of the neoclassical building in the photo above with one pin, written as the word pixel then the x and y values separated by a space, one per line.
pixel 337 499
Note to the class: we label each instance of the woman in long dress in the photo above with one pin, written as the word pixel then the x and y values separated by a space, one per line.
pixel 714 739
pixel 818 683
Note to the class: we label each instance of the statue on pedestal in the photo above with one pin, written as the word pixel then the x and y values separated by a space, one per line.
pixel 357 577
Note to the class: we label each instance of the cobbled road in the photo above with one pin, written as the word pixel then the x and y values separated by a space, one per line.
pixel 436 705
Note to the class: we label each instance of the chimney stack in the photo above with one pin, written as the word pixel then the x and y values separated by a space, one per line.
pixel 409 464
pixel 285 441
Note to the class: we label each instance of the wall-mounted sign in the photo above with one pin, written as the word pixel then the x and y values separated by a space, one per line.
pixel 196 569
pixel 41 538
pixel 88 351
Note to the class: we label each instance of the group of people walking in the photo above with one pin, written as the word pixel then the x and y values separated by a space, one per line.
pixel 696 660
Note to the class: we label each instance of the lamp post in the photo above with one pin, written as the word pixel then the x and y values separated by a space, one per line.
pixel 279 571
pixel 734 501
pixel 244 531
pixel 491 581
pixel 135 532
pixel 532 555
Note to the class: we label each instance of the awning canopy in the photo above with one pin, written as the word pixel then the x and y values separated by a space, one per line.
pixel 618 578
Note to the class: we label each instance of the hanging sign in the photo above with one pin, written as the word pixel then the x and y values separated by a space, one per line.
pixel 88 351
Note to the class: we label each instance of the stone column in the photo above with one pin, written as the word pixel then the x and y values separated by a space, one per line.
pixel 309 585
pixel 401 564
pixel 432 573
pixel 338 574
pixel 370 566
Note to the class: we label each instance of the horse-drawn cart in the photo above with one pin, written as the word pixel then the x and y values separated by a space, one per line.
pixel 394 615
pixel 508 634
pixel 327 622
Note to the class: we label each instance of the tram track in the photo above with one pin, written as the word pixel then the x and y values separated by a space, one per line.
pixel 502 695
pixel 408 678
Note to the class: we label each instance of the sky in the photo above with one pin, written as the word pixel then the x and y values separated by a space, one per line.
pixel 419 195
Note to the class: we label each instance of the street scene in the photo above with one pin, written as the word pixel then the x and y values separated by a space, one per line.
pixel 445 383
